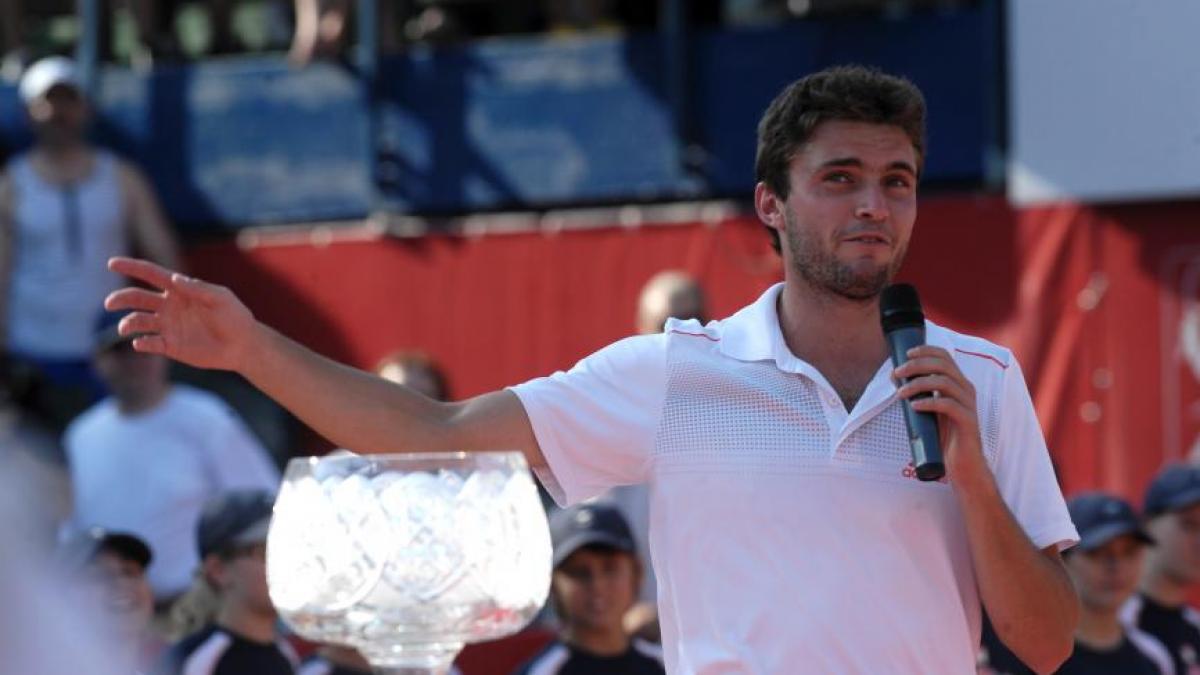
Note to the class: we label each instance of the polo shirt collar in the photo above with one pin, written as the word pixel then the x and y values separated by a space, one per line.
pixel 753 334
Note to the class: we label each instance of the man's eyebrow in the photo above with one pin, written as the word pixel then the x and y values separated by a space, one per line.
pixel 843 161
pixel 855 162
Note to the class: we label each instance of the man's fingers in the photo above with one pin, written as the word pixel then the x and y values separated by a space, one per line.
pixel 945 405
pixel 206 292
pixel 936 384
pixel 928 350
pixel 930 365
pixel 142 270
pixel 150 344
pixel 140 322
pixel 134 298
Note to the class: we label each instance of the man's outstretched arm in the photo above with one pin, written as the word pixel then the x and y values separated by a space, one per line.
pixel 205 325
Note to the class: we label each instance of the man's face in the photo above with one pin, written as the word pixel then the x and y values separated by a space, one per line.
pixel 1107 576
pixel 241 577
pixel 129 375
pixel 594 588
pixel 850 210
pixel 123 593
pixel 1177 553
pixel 60 116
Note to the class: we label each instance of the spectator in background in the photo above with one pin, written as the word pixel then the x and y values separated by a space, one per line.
pixel 416 370
pixel 1172 571
pixel 1104 567
pixel 321 27
pixel 147 458
pixel 672 294
pixel 243 637
pixel 65 208
pixel 597 573
pixel 113 570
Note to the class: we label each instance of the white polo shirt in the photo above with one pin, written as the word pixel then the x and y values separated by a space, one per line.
pixel 789 535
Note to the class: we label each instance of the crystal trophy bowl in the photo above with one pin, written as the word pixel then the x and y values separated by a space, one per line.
pixel 408 557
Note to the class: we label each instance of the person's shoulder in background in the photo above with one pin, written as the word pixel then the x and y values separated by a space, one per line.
pixel 177 655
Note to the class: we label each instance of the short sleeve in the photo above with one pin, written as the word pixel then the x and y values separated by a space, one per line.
pixel 596 423
pixel 1023 469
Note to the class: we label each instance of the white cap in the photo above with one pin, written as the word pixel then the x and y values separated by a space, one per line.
pixel 46 74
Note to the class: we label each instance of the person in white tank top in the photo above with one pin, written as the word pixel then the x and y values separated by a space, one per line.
pixel 65 208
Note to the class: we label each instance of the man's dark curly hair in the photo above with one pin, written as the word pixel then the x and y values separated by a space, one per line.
pixel 847 93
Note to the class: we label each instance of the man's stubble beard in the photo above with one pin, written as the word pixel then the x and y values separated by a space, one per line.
pixel 821 269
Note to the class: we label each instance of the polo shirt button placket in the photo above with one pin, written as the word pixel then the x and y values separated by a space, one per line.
pixel 835 416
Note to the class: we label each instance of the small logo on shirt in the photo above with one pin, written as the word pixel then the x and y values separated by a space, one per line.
pixel 910 471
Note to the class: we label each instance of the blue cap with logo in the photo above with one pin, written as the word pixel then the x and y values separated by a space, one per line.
pixel 590 524
pixel 1101 517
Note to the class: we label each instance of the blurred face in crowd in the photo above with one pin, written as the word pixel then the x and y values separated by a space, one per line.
pixel 415 376
pixel 595 587
pixel 60 116
pixel 240 577
pixel 1177 553
pixel 132 377
pixel 850 210
pixel 669 295
pixel 1107 576
pixel 122 592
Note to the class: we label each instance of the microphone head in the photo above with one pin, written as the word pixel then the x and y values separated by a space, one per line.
pixel 899 307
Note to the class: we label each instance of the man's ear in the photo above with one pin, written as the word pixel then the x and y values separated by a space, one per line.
pixel 214 571
pixel 769 207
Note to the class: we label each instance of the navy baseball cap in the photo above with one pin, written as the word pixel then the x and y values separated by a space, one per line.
pixel 80 548
pixel 232 519
pixel 593 524
pixel 1101 517
pixel 1175 487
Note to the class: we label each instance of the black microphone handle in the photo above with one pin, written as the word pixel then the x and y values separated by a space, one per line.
pixel 922 427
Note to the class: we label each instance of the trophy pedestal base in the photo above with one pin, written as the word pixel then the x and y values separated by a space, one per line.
pixel 433 658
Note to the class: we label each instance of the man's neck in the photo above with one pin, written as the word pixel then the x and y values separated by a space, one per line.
pixel 600 642
pixel 62 162
pixel 838 336
pixel 246 623
pixel 141 404
pixel 1100 630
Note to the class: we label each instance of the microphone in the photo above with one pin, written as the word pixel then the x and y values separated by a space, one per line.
pixel 904 328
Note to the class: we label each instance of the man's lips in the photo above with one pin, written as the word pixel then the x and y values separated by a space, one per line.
pixel 876 239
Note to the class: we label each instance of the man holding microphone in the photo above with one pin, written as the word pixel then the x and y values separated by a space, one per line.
pixel 786 526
